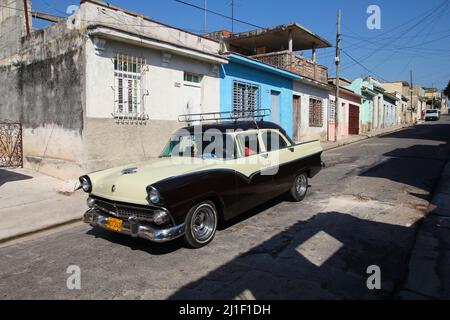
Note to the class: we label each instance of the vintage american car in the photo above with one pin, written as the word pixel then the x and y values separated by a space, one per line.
pixel 190 188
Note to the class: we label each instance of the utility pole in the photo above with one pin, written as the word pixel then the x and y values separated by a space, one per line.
pixel 337 60
pixel 204 22
pixel 27 22
pixel 232 16
pixel 411 93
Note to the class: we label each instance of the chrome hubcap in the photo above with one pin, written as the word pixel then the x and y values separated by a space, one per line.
pixel 301 184
pixel 203 223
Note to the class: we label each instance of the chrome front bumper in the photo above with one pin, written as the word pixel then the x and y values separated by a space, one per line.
pixel 134 228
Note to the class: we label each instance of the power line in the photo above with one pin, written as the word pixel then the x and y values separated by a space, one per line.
pixel 428 14
pixel 219 14
pixel 398 27
pixel 365 68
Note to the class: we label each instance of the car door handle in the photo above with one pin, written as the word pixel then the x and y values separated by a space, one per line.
pixel 291 149
pixel 265 155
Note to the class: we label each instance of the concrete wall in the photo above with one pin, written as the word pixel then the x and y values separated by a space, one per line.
pixel 12 25
pixel 390 112
pixel 163 80
pixel 61 89
pixel 307 91
pixel 109 142
pixel 378 115
pixel 267 81
pixel 43 90
pixel 94 13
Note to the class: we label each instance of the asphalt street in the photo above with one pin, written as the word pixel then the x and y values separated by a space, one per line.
pixel 362 210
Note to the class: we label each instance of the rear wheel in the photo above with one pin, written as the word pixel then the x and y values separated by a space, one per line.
pixel 201 224
pixel 299 187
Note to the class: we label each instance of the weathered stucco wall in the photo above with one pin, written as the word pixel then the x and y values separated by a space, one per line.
pixel 43 90
pixel 99 13
pixel 110 143
pixel 306 91
pixel 12 25
pixel 164 80
pixel 343 114
pixel 59 86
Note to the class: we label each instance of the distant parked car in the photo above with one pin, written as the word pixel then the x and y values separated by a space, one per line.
pixel 431 114
pixel 190 188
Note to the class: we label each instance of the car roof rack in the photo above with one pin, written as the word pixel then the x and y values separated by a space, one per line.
pixel 249 115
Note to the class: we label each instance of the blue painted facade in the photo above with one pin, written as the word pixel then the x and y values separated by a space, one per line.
pixel 269 79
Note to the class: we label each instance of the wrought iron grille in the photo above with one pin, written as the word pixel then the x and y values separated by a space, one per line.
pixel 315 113
pixel 129 87
pixel 11 152
pixel 246 99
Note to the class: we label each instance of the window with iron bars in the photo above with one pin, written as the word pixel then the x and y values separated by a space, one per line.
pixel 246 99
pixel 128 87
pixel 315 112
pixel 332 111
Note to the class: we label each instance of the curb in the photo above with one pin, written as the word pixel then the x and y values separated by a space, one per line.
pixel 428 256
pixel 367 136
pixel 39 230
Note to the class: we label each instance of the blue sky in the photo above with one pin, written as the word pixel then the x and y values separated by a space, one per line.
pixel 414 35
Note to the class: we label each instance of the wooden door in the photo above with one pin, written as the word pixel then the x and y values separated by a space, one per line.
pixel 353 119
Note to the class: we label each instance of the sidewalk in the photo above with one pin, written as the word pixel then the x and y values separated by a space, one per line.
pixel 327 145
pixel 31 202
pixel 429 265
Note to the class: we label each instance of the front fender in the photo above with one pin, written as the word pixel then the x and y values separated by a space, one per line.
pixel 182 192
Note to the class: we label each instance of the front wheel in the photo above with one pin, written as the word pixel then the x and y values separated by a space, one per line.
pixel 299 187
pixel 201 224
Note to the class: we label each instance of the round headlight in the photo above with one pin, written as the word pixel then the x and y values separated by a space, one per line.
pixel 154 195
pixel 85 184
pixel 161 217
pixel 90 202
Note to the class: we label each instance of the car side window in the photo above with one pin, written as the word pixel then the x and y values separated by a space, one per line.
pixel 248 144
pixel 273 141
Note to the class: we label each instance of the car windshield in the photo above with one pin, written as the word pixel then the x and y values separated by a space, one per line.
pixel 212 144
pixel 431 111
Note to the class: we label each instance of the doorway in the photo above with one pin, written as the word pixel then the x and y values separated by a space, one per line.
pixel 353 119
pixel 275 106
pixel 296 118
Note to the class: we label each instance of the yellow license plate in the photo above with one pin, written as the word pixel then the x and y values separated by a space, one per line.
pixel 114 224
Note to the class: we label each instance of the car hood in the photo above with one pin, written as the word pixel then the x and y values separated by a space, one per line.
pixel 128 183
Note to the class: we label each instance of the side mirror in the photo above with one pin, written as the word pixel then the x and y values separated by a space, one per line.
pixel 291 149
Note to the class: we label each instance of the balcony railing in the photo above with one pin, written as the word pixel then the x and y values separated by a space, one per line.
pixel 291 62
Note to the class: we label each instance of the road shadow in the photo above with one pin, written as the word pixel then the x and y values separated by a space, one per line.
pixel 171 246
pixel 139 244
pixel 418 165
pixel 325 257
pixel 436 131
pixel 252 212
pixel 9 176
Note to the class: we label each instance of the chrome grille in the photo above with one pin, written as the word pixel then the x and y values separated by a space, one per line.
pixel 124 211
